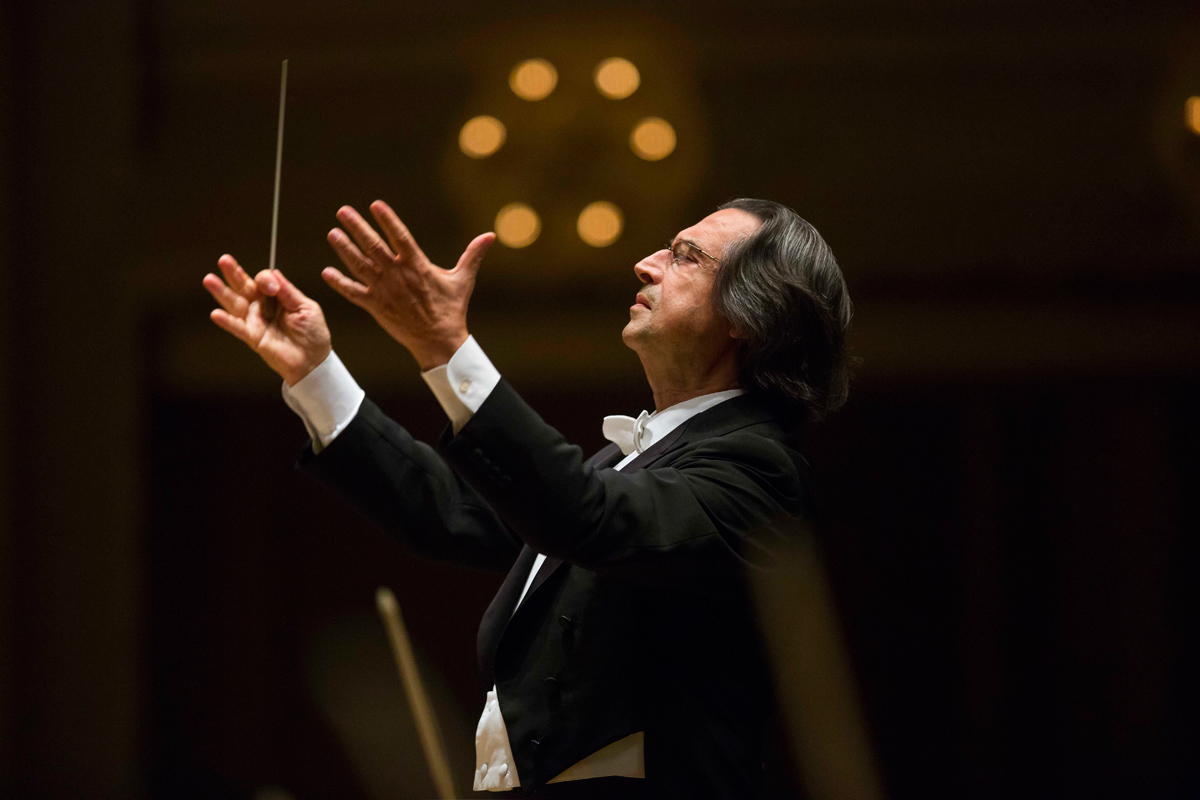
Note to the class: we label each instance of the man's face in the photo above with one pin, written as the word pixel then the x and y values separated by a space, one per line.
pixel 673 313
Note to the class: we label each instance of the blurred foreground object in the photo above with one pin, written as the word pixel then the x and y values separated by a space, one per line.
pixel 427 727
pixel 816 688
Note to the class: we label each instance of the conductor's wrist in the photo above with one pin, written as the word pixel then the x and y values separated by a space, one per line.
pixel 438 352
pixel 294 374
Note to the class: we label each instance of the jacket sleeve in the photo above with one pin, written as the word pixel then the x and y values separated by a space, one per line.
pixel 697 521
pixel 407 489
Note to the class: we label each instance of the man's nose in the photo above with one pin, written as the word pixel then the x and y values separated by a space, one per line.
pixel 647 271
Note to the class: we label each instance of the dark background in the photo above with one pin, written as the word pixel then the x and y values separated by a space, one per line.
pixel 1012 490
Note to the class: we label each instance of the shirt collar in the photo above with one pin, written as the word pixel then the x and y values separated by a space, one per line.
pixel 663 422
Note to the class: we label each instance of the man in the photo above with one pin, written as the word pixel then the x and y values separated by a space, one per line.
pixel 620 655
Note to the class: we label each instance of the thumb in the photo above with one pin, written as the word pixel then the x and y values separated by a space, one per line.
pixel 472 257
pixel 274 284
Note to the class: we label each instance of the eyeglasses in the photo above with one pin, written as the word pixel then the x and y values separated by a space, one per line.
pixel 684 250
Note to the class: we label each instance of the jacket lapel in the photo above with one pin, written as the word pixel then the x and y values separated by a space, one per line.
pixel 737 412
pixel 728 416
pixel 656 450
pixel 605 458
pixel 504 604
pixel 499 611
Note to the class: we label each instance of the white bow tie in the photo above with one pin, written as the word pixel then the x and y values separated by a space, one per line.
pixel 626 432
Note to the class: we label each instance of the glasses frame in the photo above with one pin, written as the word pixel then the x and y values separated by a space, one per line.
pixel 671 247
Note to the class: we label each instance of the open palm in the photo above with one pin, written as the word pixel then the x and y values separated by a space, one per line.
pixel 272 316
pixel 419 304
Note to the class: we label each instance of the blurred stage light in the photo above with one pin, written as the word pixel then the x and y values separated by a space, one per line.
pixel 600 224
pixel 653 139
pixel 616 78
pixel 517 225
pixel 481 136
pixel 1191 114
pixel 533 79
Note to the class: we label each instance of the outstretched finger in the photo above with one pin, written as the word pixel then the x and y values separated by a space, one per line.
pixel 233 324
pixel 373 247
pixel 230 300
pixel 352 290
pixel 472 257
pixel 401 239
pixel 359 265
pixel 236 277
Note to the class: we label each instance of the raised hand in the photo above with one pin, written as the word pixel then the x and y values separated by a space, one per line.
pixel 272 316
pixel 419 304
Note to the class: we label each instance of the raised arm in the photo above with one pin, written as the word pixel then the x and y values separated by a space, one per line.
pixel 373 463
pixel 723 501
pixel 419 304
pixel 405 487
pixel 273 318
pixel 694 521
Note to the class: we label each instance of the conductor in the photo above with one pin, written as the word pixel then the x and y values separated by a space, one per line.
pixel 620 657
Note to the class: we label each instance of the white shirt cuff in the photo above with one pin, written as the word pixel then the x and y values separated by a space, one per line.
pixel 462 385
pixel 326 399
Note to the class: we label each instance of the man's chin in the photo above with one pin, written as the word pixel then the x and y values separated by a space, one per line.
pixel 631 334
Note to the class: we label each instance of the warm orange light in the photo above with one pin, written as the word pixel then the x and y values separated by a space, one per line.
pixel 616 78
pixel 533 79
pixel 481 136
pixel 653 139
pixel 600 224
pixel 517 225
pixel 1191 114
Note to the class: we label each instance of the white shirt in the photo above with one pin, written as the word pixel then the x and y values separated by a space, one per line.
pixel 328 398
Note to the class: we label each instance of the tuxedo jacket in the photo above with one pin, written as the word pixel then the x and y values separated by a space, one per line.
pixel 641 617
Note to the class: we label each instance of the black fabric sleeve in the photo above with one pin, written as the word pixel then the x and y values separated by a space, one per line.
pixel 693 521
pixel 406 488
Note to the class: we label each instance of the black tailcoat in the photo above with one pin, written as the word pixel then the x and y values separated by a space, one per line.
pixel 641 618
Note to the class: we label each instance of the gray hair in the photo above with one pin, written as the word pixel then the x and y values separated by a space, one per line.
pixel 784 294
